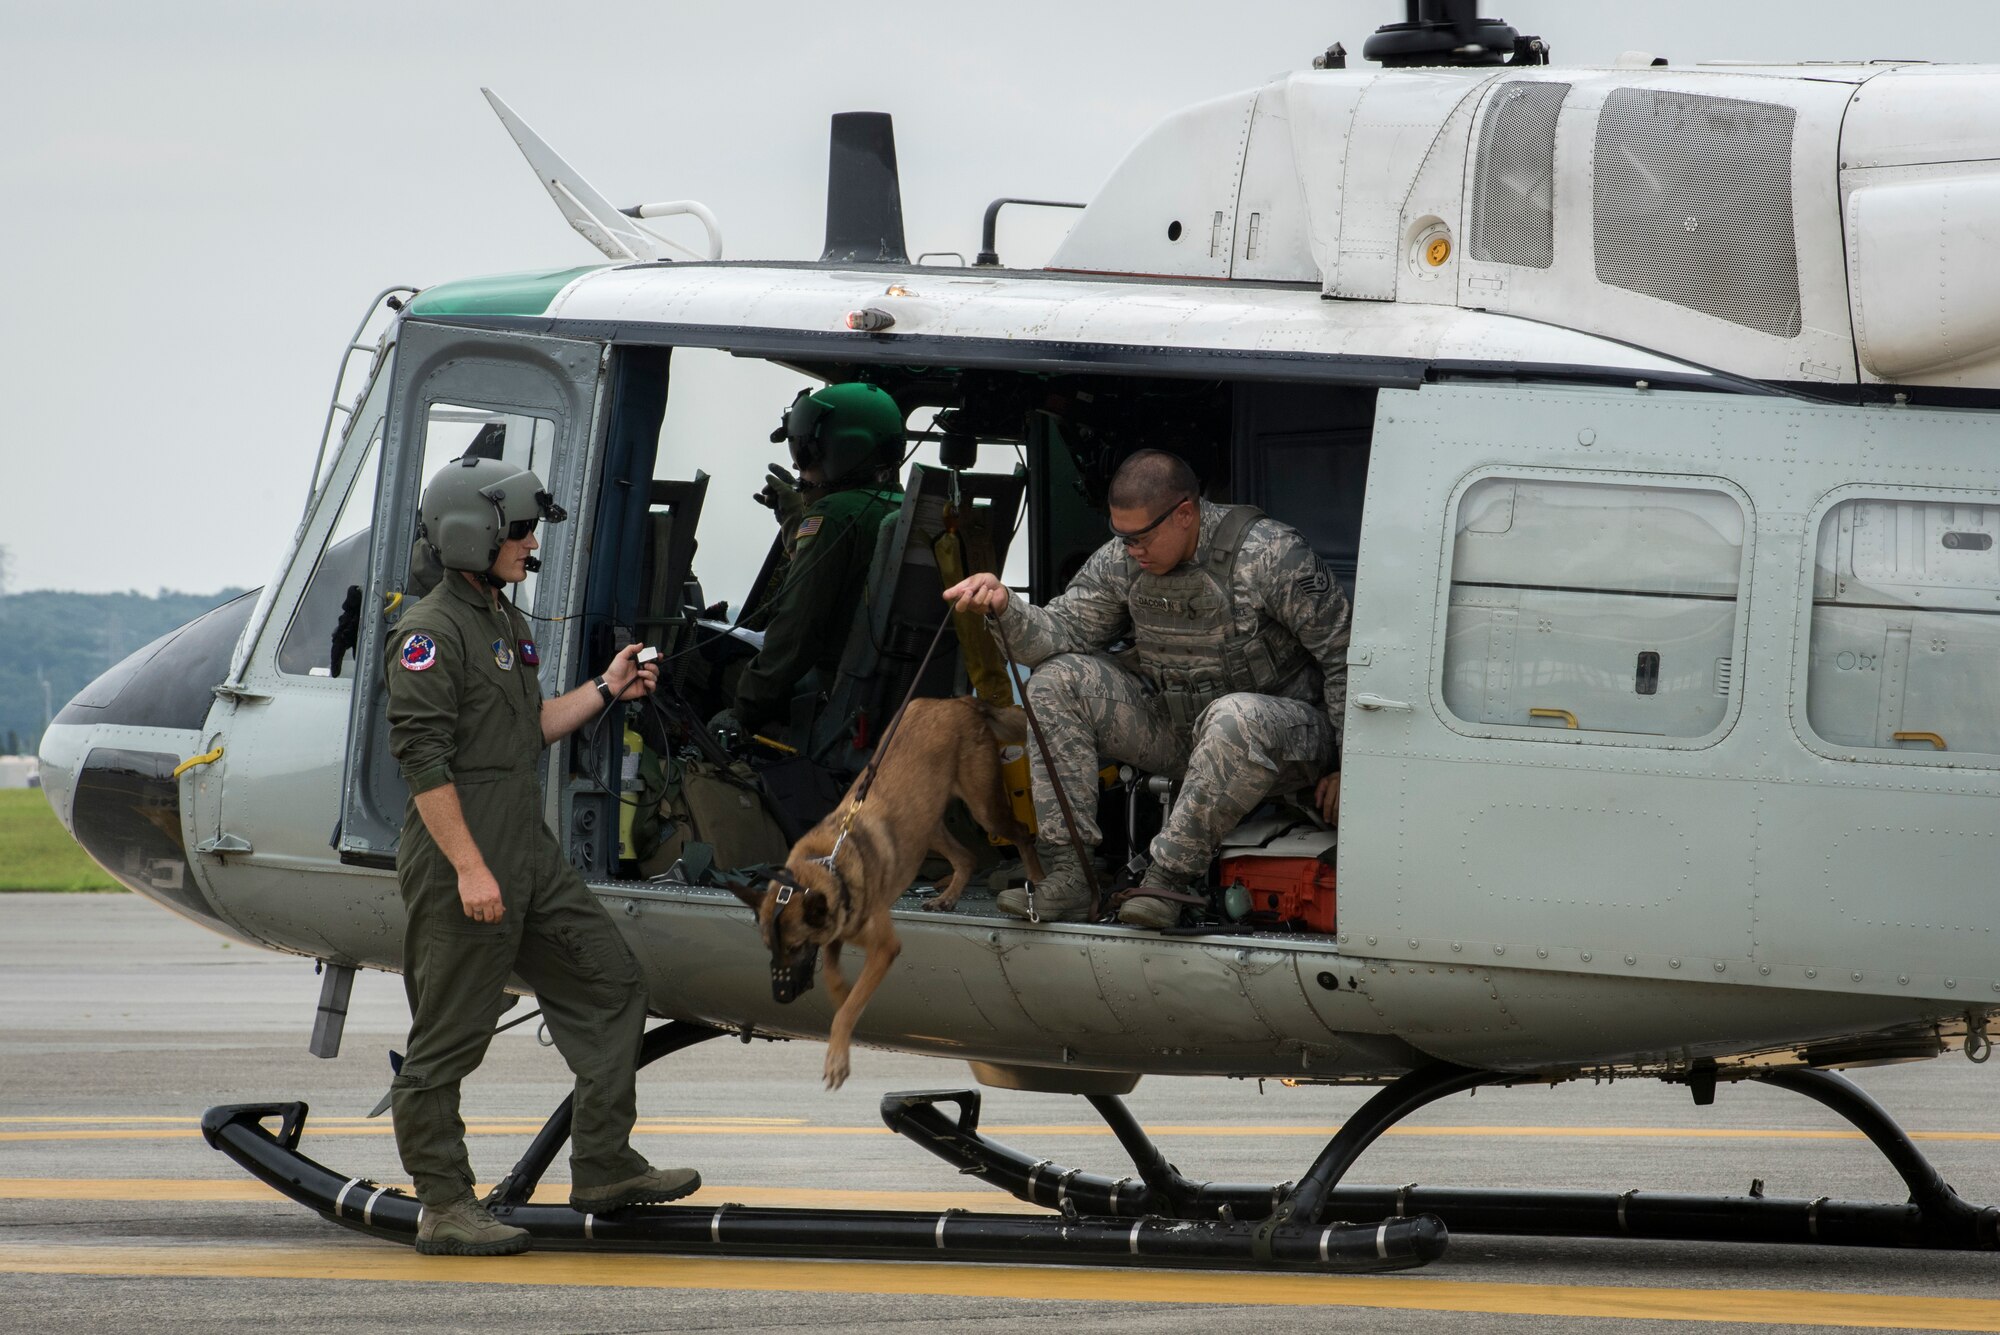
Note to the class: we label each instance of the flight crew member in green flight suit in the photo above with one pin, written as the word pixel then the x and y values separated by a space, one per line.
pixel 487 889
pixel 847 442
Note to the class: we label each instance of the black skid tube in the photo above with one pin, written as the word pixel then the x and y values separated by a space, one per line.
pixel 1935 1217
pixel 950 1235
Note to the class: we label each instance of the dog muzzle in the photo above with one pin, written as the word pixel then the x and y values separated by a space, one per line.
pixel 792 980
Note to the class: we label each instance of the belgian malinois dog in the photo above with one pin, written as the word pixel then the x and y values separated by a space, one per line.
pixel 838 889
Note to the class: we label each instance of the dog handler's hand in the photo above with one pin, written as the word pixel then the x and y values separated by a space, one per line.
pixel 479 895
pixel 982 592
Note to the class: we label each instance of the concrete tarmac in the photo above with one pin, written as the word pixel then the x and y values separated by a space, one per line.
pixel 123 1023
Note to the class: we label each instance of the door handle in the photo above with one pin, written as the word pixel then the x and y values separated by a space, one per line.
pixel 1370 701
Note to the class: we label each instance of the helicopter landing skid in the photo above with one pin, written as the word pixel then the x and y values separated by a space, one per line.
pixel 952 1235
pixel 1935 1216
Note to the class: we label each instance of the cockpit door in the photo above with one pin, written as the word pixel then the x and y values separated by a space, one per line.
pixel 530 400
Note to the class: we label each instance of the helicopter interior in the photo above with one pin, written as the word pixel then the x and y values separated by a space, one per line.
pixel 1015 466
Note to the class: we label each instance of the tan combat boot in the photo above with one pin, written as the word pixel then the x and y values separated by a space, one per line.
pixel 648 1188
pixel 1062 895
pixel 465 1228
pixel 1150 910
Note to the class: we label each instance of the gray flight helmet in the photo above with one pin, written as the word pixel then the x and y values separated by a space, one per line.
pixel 472 504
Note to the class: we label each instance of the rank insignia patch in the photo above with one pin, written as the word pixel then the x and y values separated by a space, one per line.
pixel 529 654
pixel 503 655
pixel 419 652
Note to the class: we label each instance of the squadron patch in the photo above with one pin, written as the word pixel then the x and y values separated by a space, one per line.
pixel 503 655
pixel 529 654
pixel 810 526
pixel 1313 582
pixel 419 652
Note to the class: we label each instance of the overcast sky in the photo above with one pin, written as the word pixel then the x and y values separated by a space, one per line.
pixel 202 196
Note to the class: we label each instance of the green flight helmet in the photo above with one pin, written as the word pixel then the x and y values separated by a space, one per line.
pixel 848 432
pixel 473 505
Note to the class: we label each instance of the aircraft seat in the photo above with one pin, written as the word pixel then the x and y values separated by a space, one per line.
pixel 901 610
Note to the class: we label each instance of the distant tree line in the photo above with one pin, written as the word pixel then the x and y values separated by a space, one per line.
pixel 52 645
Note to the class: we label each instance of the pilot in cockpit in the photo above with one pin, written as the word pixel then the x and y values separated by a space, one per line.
pixel 846 442
pixel 1240 635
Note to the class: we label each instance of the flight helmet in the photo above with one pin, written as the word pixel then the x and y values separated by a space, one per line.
pixel 472 505
pixel 848 432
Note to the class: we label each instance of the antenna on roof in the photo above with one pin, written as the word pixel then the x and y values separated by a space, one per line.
pixel 864 197
pixel 596 218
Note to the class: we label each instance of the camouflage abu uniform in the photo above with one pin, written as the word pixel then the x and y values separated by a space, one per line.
pixel 465 708
pixel 1241 685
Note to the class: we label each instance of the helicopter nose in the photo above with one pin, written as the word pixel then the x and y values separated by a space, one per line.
pixel 108 759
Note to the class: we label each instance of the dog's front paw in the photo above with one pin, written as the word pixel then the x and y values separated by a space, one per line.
pixel 941 904
pixel 836 1069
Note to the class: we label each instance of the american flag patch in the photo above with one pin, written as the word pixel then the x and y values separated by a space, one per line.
pixel 811 526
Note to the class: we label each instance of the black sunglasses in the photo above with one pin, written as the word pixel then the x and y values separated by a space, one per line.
pixel 1137 537
pixel 520 529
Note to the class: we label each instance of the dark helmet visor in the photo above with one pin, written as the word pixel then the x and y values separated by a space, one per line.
pixel 802 424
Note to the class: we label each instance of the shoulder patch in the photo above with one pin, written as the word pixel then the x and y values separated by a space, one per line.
pixel 419 652
pixel 810 525
pixel 1313 581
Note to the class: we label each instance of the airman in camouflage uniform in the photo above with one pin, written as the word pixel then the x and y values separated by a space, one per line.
pixel 1240 636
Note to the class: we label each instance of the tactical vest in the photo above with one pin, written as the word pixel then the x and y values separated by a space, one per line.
pixel 1189 649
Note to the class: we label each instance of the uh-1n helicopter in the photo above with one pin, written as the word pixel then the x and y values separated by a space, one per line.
pixel 1644 411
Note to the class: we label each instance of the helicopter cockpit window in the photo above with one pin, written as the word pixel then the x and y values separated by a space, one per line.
pixel 1582 608
pixel 306 650
pixel 1904 659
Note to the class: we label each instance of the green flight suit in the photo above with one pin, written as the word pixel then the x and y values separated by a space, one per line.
pixel 809 616
pixel 465 709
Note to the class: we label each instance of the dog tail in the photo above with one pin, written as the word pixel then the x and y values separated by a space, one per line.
pixel 1008 723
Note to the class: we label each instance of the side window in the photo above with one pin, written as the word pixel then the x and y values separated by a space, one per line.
pixel 1904 652
pixel 306 650
pixel 1586 608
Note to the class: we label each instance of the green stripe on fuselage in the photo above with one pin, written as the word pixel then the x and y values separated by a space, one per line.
pixel 498 294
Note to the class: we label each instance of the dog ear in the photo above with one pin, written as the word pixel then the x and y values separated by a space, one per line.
pixel 815 911
pixel 754 898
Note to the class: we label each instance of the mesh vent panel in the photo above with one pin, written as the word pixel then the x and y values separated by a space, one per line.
pixel 1513 187
pixel 1694 205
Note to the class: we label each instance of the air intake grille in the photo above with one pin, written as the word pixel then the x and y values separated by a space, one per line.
pixel 1694 205
pixel 1513 189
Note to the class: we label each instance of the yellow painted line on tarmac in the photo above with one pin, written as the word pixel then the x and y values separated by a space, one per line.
pixel 395 1264
pixel 236 1190
pixel 94 1121
pixel 331 1127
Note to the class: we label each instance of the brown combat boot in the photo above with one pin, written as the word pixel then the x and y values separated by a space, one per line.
pixel 465 1228
pixel 651 1187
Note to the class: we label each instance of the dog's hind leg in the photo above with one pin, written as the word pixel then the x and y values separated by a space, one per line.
pixel 984 793
pixel 962 864
pixel 879 940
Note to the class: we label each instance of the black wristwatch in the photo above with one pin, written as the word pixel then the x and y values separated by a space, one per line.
pixel 604 689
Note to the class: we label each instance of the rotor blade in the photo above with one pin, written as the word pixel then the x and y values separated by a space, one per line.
pixel 590 213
